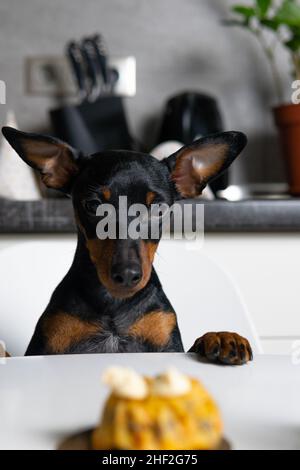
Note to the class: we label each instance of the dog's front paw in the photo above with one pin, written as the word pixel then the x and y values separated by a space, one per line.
pixel 224 347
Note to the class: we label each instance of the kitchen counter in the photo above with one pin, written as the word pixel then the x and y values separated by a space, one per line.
pixel 259 402
pixel 56 216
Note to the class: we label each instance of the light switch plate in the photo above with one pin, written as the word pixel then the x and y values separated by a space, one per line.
pixel 52 76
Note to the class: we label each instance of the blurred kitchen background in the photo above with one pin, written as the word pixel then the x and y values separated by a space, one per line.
pixel 178 45
pixel 247 272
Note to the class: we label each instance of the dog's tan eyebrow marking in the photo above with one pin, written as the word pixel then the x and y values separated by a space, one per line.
pixel 150 196
pixel 106 193
pixel 62 330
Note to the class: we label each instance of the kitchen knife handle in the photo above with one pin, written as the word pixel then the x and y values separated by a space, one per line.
pixel 89 55
pixel 101 55
pixel 74 55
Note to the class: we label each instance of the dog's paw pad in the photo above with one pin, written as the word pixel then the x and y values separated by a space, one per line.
pixel 224 347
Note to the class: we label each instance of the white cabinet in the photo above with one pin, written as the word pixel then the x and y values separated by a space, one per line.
pixel 265 268
pixel 262 268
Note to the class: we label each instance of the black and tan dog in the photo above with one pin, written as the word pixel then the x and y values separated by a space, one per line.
pixel 111 299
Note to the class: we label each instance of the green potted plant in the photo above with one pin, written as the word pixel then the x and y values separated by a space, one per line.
pixel 277 23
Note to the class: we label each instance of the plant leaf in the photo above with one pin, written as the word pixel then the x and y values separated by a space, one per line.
pixel 288 13
pixel 270 23
pixel 293 44
pixel 247 12
pixel 263 7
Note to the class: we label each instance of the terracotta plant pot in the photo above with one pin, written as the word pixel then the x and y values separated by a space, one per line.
pixel 287 118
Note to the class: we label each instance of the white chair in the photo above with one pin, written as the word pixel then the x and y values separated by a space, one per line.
pixel 203 295
pixel 30 269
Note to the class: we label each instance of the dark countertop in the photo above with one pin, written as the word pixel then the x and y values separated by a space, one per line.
pixel 56 216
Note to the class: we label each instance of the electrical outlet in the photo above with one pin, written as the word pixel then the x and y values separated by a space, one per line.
pixel 52 76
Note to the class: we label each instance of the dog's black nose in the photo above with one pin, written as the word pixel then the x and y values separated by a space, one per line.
pixel 126 276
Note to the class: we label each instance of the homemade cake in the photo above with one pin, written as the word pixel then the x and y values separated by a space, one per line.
pixel 170 411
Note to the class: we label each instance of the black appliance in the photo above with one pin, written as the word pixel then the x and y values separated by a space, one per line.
pixel 189 116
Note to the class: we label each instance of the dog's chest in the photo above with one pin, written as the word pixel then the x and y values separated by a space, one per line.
pixel 147 332
pixel 114 337
pixel 67 333
pixel 109 342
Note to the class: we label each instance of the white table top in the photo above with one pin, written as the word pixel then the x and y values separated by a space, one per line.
pixel 43 399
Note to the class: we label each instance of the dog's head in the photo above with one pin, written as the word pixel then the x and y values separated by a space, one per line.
pixel 124 264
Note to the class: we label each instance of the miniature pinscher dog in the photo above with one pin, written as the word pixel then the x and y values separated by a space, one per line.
pixel 111 299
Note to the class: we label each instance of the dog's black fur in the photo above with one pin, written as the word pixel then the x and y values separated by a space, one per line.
pixel 111 299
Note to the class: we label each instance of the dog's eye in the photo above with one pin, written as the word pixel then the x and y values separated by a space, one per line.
pixel 91 206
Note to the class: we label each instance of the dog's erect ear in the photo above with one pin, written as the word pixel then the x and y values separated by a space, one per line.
pixel 57 162
pixel 193 166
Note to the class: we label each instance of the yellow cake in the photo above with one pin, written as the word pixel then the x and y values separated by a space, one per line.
pixel 167 412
